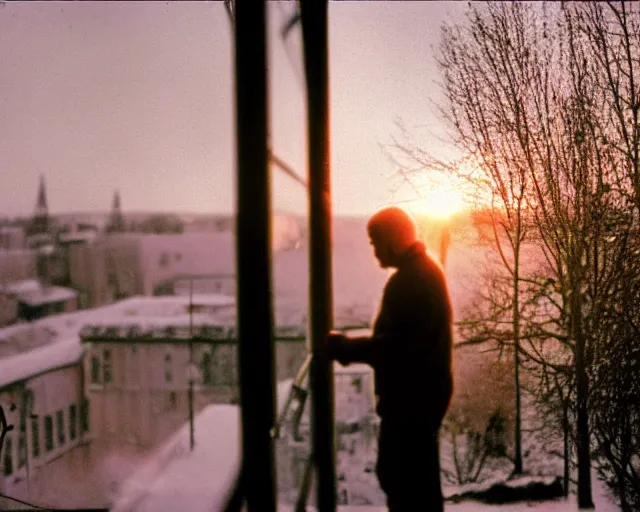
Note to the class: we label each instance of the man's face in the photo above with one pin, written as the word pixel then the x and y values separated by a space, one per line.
pixel 381 250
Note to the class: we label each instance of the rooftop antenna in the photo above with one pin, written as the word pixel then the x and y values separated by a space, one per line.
pixel 191 369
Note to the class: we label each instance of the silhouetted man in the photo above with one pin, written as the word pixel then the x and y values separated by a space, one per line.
pixel 410 353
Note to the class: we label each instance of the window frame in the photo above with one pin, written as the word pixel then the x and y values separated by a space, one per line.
pixel 85 417
pixel 73 422
pixel 168 368
pixel 95 370
pixel 7 456
pixel 107 366
pixel 35 437
pixel 61 437
pixel 48 433
pixel 22 450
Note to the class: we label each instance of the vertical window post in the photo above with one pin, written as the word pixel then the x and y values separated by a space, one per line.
pixel 314 33
pixel 253 253
pixel 60 426
pixel 35 435
pixel 106 366
pixel 48 433
pixel 73 421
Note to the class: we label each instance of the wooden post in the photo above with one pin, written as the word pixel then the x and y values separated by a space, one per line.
pixel 253 256
pixel 314 30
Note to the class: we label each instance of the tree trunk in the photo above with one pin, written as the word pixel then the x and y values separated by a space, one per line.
pixel 517 468
pixel 582 427
pixel 565 432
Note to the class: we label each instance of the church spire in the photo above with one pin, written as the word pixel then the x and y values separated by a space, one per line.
pixel 40 220
pixel 42 209
pixel 116 220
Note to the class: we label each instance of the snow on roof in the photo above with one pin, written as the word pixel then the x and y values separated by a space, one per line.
pixel 174 478
pixel 167 304
pixel 47 295
pixel 39 360
pixel 22 337
pixel 31 291
pixel 64 345
pixel 78 236
pixel 20 287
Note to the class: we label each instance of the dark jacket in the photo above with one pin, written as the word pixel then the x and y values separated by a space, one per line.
pixel 410 349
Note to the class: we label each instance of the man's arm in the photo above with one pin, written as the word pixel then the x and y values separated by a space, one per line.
pixel 345 350
pixel 370 349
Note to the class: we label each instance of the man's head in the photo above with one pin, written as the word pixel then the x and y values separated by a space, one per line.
pixel 391 231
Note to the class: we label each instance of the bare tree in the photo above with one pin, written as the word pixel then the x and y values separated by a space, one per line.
pixel 525 101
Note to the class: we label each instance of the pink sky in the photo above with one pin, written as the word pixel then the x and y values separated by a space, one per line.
pixel 138 96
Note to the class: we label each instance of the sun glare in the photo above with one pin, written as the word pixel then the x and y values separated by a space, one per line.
pixel 440 203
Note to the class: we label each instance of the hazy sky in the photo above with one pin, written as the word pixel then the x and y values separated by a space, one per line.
pixel 138 96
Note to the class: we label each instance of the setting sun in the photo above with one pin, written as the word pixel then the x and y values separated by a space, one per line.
pixel 439 203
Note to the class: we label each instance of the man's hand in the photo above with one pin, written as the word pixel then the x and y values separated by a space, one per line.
pixel 334 346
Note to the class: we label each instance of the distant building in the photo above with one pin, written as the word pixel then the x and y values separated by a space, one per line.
pixel 105 270
pixel 138 372
pixel 12 238
pixel 60 259
pixel 128 264
pixel 116 223
pixel 40 224
pixel 41 395
pixel 37 300
pixel 184 285
pixel 17 265
pixel 8 308
pixel 94 385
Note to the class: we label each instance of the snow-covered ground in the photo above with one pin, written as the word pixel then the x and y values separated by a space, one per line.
pixel 175 478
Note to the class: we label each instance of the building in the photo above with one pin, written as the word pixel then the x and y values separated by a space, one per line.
pixel 23 337
pixel 12 238
pixel 89 275
pixel 116 223
pixel 128 264
pixel 39 228
pixel 111 384
pixel 138 370
pixel 41 394
pixel 36 300
pixel 8 308
pixel 187 284
pixel 17 265
pixel 60 260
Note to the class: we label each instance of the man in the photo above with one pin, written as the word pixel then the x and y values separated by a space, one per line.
pixel 410 353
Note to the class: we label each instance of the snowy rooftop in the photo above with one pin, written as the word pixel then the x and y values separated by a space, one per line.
pixel 31 291
pixel 39 360
pixel 63 345
pixel 47 295
pixel 20 287
pixel 174 478
pixel 205 327
pixel 78 236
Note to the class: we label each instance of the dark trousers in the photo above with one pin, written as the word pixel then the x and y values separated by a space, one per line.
pixel 408 466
